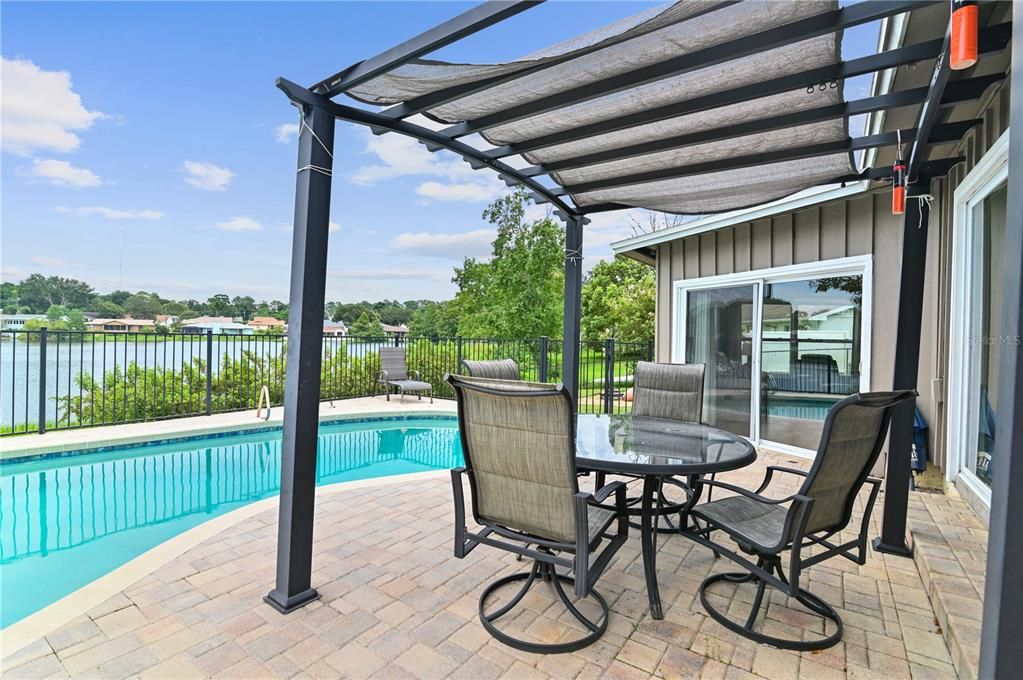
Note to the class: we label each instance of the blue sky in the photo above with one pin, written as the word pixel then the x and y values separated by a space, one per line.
pixel 155 158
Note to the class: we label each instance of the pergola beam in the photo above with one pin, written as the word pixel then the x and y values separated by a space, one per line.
pixel 991 39
pixel 465 24
pixel 803 29
pixel 958 92
pixel 432 139
pixel 949 132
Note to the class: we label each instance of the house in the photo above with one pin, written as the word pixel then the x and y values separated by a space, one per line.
pixel 332 329
pixel 219 325
pixel 121 325
pixel 265 323
pixel 400 330
pixel 16 322
pixel 794 303
pixel 167 319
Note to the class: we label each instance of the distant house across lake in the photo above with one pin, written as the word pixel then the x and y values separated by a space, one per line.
pixel 266 323
pixel 120 325
pixel 16 322
pixel 395 330
pixel 333 329
pixel 220 325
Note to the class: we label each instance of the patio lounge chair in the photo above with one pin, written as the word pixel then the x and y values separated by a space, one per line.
pixel 519 444
pixel 764 528
pixel 394 373
pixel 502 369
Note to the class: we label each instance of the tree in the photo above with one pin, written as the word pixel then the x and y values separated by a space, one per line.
pixel 618 301
pixel 9 297
pixel 434 320
pixel 41 292
pixel 219 305
pixel 519 292
pixel 178 309
pixel 107 309
pixel 118 297
pixel 367 325
pixel 244 306
pixel 143 305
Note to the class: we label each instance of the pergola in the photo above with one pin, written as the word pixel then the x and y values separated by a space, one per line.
pixel 697 107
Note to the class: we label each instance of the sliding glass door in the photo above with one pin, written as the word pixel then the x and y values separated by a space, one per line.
pixel 810 355
pixel 719 333
pixel 781 346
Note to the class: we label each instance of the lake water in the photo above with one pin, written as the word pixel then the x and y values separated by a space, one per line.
pixel 65 361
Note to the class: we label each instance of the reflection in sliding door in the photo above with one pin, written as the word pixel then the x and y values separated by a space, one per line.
pixel 719 333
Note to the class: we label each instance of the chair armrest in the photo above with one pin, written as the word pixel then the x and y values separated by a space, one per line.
pixel 769 474
pixel 382 376
pixel 749 494
pixel 601 495
pixel 416 375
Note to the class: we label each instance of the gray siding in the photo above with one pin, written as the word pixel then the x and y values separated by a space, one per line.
pixel 859 225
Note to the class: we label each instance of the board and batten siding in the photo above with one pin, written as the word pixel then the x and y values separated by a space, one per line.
pixel 856 225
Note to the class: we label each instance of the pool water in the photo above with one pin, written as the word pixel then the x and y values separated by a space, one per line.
pixel 68 520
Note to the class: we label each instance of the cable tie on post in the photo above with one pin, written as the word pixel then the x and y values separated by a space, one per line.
pixel 317 168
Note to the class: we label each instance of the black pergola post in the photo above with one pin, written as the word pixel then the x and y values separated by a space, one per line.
pixel 305 346
pixel 1001 655
pixel 570 348
pixel 907 363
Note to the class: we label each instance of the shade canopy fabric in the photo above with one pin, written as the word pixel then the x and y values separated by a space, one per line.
pixel 509 105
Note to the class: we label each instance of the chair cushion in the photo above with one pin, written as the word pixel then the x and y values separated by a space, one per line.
pixel 411 385
pixel 750 522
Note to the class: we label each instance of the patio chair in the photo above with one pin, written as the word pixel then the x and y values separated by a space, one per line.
pixel 502 369
pixel 519 444
pixel 764 528
pixel 394 373
pixel 672 391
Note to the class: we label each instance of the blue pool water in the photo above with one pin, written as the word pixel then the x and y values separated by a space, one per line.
pixel 68 520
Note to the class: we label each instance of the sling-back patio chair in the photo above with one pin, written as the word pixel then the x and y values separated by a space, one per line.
pixel 502 369
pixel 394 373
pixel 764 528
pixel 519 444
pixel 669 391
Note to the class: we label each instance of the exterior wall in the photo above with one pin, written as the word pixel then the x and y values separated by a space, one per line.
pixel 857 225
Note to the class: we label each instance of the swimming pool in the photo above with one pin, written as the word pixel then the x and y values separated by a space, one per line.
pixel 67 520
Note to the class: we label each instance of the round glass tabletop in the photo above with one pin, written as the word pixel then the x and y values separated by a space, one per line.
pixel 655 446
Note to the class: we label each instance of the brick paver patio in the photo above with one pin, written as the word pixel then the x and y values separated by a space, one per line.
pixel 396 604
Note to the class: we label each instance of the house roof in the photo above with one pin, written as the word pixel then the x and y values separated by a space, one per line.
pixel 394 329
pixel 125 322
pixel 208 320
pixel 265 321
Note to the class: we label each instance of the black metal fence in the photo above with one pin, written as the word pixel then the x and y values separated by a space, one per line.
pixel 52 380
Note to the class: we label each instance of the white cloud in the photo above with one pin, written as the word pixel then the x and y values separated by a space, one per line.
pixel 239 224
pixel 49 262
pixel 111 213
pixel 207 176
pixel 471 191
pixel 285 132
pixel 453 246
pixel 62 173
pixel 401 156
pixel 12 274
pixel 39 110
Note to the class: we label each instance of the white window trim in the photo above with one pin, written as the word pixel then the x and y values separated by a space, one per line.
pixel 862 265
pixel 987 175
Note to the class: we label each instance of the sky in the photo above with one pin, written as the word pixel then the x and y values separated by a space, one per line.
pixel 145 146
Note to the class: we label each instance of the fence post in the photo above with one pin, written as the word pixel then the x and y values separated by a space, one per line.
pixel 609 375
pixel 650 350
pixel 458 365
pixel 397 339
pixel 542 363
pixel 209 372
pixel 42 382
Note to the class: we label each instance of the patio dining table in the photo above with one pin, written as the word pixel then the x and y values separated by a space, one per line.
pixel 658 451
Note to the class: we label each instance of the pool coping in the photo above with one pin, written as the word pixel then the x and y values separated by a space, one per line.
pixel 38 625
pixel 34 447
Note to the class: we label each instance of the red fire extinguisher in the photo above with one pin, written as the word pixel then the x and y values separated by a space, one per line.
pixel 963 43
